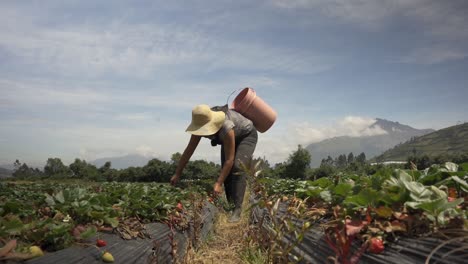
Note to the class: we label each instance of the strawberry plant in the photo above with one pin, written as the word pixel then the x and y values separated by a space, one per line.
pixel 56 216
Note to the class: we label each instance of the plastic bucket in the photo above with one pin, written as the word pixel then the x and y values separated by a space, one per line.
pixel 254 108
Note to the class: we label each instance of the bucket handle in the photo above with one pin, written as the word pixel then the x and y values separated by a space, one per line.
pixel 235 91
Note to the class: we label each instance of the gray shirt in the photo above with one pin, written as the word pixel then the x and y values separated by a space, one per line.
pixel 241 125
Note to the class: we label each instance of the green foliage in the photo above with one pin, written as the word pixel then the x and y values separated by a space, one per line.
pixel 55 168
pixel 297 165
pixel 201 169
pixel 82 170
pixel 365 198
pixel 385 189
pixel 157 171
pixel 323 171
pixel 45 214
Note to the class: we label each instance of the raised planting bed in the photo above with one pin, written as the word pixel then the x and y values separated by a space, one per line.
pixel 400 217
pixel 157 248
pixel 139 222
pixel 314 248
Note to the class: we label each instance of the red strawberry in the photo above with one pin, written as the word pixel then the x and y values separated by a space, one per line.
pixel 376 245
pixel 101 243
pixel 180 207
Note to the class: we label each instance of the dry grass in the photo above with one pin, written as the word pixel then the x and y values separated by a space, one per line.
pixel 224 244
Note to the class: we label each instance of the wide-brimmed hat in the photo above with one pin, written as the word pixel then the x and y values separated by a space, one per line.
pixel 205 122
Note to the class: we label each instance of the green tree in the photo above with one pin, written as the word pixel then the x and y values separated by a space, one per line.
pixel 278 170
pixel 131 174
pixel 104 168
pixel 200 169
pixel 350 158
pixel 156 170
pixel 361 158
pixel 175 158
pixel 298 163
pixel 267 171
pixel 83 170
pixel 341 161
pixel 324 170
pixel 24 171
pixel 55 168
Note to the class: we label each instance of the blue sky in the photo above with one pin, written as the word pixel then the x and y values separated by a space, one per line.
pixel 92 79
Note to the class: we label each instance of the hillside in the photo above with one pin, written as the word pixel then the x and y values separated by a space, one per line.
pixel 132 160
pixel 5 173
pixel 395 133
pixel 448 141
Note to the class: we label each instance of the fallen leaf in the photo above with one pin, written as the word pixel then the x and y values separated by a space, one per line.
pixel 353 227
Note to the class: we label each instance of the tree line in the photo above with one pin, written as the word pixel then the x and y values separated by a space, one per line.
pixel 154 171
pixel 297 166
pixel 425 161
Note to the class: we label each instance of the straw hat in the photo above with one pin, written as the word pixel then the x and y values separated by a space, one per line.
pixel 205 122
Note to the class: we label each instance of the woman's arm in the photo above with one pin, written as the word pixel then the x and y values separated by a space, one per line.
pixel 229 154
pixel 188 152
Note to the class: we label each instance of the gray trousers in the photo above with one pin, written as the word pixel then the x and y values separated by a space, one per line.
pixel 235 183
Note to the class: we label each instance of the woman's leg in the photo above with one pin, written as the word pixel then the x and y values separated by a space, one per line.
pixel 238 183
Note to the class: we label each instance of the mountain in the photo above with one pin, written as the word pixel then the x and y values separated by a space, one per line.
pixel 448 141
pixel 393 133
pixel 5 173
pixel 132 160
pixel 7 166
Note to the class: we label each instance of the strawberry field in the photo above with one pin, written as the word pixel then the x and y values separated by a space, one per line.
pixel 349 218
pixel 409 216
pixel 56 216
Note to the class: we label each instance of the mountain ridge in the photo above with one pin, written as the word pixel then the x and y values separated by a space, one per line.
pixel 123 162
pixel 447 141
pixel 389 134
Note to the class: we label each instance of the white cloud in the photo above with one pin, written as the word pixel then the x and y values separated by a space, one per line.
pixel 145 50
pixel 146 151
pixel 353 126
pixel 278 144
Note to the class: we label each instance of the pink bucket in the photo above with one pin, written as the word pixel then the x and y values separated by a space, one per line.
pixel 254 108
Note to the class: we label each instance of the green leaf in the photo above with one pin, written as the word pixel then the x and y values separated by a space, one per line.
pixel 342 189
pixel 13 207
pixel 404 176
pixel 384 211
pixel 463 184
pixel 326 196
pixel 59 197
pixel 49 199
pixel 434 207
pixel 111 221
pixel 364 198
pixel 90 231
pixel 12 227
pixel 322 182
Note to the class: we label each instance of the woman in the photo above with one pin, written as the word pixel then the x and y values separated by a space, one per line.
pixel 237 137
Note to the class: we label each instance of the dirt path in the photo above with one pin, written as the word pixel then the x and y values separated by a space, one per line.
pixel 224 244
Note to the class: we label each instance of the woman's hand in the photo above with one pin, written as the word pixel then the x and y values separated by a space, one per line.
pixel 218 189
pixel 175 179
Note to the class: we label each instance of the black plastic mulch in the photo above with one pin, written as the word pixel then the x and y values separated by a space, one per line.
pixel 133 251
pixel 314 248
